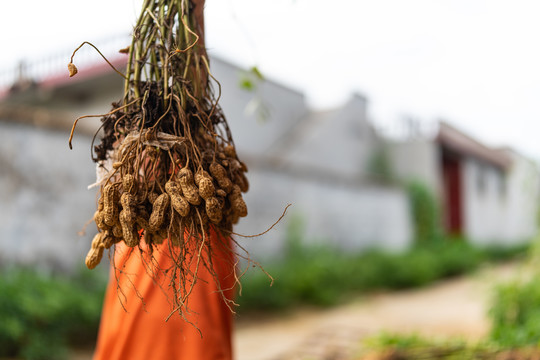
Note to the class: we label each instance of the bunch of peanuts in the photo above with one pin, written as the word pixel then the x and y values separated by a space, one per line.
pixel 184 204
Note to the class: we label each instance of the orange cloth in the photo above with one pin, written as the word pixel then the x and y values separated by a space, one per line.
pixel 133 325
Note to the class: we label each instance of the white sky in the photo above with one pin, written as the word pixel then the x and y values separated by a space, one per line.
pixel 475 63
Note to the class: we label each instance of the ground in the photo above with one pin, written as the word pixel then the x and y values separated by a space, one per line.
pixel 451 308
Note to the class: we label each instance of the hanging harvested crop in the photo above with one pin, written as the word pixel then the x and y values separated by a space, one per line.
pixel 167 161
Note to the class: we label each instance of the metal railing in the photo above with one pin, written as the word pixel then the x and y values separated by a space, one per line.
pixel 55 64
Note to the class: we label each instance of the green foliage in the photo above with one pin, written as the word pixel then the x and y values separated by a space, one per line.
pixel 385 340
pixel 251 81
pixel 380 165
pixel 515 314
pixel 322 276
pixel 515 310
pixel 413 346
pixel 41 315
pixel 425 212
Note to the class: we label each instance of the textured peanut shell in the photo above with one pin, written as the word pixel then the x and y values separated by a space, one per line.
pixel 100 204
pixel 221 193
pixel 100 223
pixel 128 201
pixel 213 210
pixel 117 231
pixel 173 188
pixel 190 191
pixel 72 69
pixel 110 208
pixel 238 205
pixel 199 175
pixel 93 258
pixel 234 218
pixel 128 230
pixel 178 203
pixel 220 175
pixel 109 240
pixel 206 187
pixel 185 172
pixel 158 212
pixel 244 166
pixel 128 183
pixel 242 181
pixel 229 151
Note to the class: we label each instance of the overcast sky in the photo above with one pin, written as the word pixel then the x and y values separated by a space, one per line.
pixel 475 63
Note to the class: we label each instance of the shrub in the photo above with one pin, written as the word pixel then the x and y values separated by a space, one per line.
pixel 322 276
pixel 515 309
pixel 515 314
pixel 387 346
pixel 41 315
pixel 425 213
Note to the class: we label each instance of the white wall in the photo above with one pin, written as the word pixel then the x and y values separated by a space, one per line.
pixel 45 201
pixel 522 199
pixel 417 160
pixel 253 136
pixel 348 217
pixel 340 142
pixel 43 196
pixel 500 208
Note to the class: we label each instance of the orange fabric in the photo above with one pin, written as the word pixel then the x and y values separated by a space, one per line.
pixel 133 325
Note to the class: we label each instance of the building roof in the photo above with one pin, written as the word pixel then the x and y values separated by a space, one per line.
pixel 453 139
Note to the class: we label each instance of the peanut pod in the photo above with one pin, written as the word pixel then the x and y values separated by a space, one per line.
pixel 206 187
pixel 213 210
pixel 109 240
pixel 128 183
pixel 99 220
pixel 110 208
pixel 129 233
pixel 158 212
pixel 93 258
pixel 128 201
pixel 220 175
pixel 230 151
pixel 178 202
pixel 117 230
pixel 189 189
pixel 238 204
pixel 242 181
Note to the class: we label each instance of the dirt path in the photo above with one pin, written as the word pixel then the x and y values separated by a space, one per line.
pixel 456 308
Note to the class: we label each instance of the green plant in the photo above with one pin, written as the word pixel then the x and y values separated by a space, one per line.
pixel 425 213
pixel 515 309
pixel 317 274
pixel 380 166
pixel 41 314
pixel 390 346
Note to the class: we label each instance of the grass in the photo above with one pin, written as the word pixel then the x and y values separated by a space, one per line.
pixel 322 276
pixel 42 315
pixel 45 314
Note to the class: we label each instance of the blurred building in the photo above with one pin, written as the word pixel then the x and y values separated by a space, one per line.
pixel 489 195
pixel 344 180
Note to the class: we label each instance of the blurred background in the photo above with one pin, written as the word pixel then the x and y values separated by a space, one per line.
pixel 404 134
